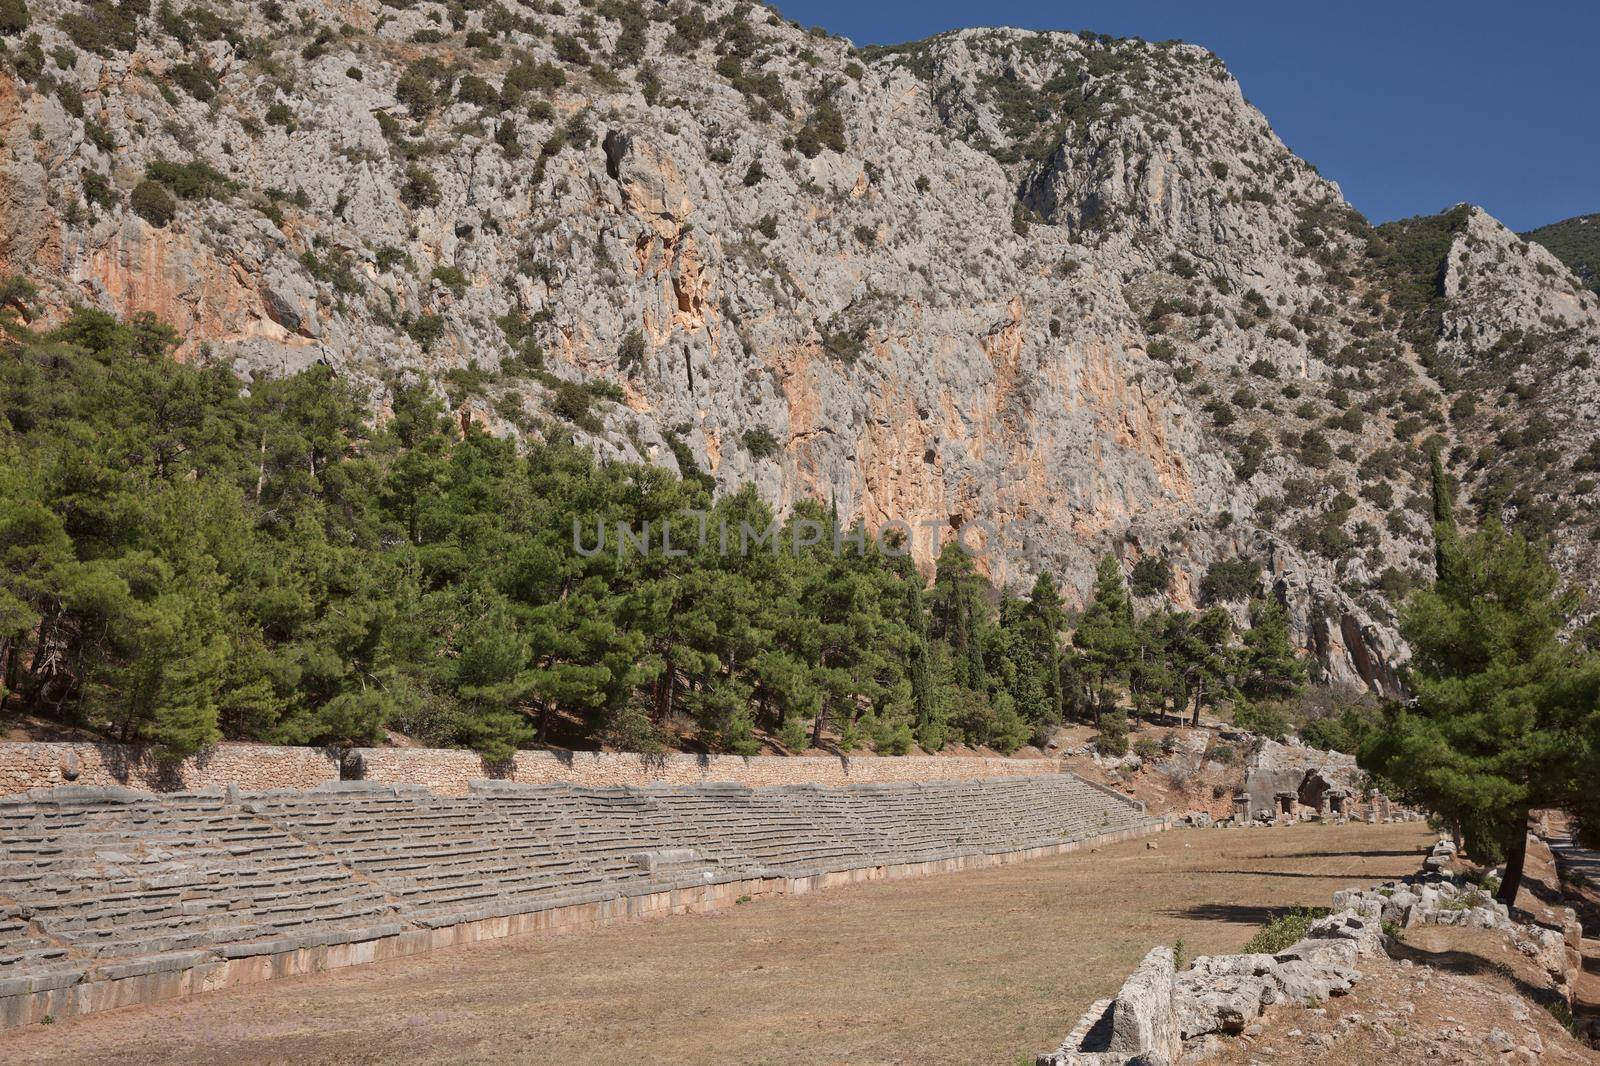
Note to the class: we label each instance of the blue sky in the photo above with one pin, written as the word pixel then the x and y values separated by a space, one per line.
pixel 1411 105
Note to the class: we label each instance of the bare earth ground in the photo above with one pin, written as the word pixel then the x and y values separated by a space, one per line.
pixel 981 966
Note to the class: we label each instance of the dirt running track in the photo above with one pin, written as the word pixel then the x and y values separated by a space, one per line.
pixel 981 966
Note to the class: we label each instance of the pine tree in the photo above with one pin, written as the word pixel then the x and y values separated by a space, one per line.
pixel 1268 666
pixel 1045 620
pixel 958 613
pixel 1106 636
pixel 1499 717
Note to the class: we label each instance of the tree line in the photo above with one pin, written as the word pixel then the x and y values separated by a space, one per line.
pixel 187 558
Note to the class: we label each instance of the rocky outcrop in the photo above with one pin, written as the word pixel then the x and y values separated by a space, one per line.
pixel 1161 1012
pixel 1165 1014
pixel 1284 778
pixel 1439 897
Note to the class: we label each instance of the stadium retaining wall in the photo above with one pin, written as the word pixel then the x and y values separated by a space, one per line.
pixel 260 767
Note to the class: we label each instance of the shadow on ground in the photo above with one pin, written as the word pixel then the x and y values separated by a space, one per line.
pixel 1353 878
pixel 1237 913
pixel 1471 964
pixel 1357 854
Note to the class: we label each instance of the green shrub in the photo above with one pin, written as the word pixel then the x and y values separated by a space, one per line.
pixel 71 99
pixel 893 740
pixel 103 28
pixel 1112 738
pixel 279 114
pixel 505 135
pixel 388 257
pixel 1284 931
pixel 1152 574
pixel 1230 580
pixel 1315 451
pixel 824 129
pixel 425 330
pixel 462 382
pixel 572 402
pixel 1263 719
pixel 420 189
pixel 760 442
pixel 528 76
pixel 418 86
pixel 845 343
pixel 97 191
pixel 793 735
pixel 13 17
pixel 188 181
pixel 195 80
pixel 1561 1012
pixel 153 203
pixel 631 351
pixel 1147 748
pixel 474 90
pixel 570 50
pixel 336 268
pixel 99 136
pixel 453 278
pixel 1326 734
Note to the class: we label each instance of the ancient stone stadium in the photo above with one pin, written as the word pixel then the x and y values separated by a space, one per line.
pixel 596 531
pixel 114 897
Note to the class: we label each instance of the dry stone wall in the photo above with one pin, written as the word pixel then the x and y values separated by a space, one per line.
pixel 449 772
pixel 257 767
pixel 248 766
pixel 1164 1014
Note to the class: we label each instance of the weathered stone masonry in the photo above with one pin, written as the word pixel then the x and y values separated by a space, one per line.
pixel 256 767
pixel 449 772
pixel 248 766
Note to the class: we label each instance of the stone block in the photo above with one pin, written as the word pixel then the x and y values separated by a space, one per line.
pixel 1143 1015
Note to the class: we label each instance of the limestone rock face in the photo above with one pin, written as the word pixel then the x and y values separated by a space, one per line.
pixel 1064 288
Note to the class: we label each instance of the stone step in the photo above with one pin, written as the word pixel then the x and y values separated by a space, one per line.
pixel 133 883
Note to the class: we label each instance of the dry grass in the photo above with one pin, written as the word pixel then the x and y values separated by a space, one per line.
pixel 973 967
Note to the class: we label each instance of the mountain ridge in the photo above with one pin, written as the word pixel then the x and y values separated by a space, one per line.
pixel 1576 242
pixel 1066 283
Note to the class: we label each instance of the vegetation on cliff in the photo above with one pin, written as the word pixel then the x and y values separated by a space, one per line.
pixel 186 558
pixel 1576 242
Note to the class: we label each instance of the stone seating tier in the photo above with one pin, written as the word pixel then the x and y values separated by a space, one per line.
pixel 100 883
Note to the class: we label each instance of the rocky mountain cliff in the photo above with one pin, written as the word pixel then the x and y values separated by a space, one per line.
pixel 1067 284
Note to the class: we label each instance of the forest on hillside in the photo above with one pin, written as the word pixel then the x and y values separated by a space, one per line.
pixel 189 558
